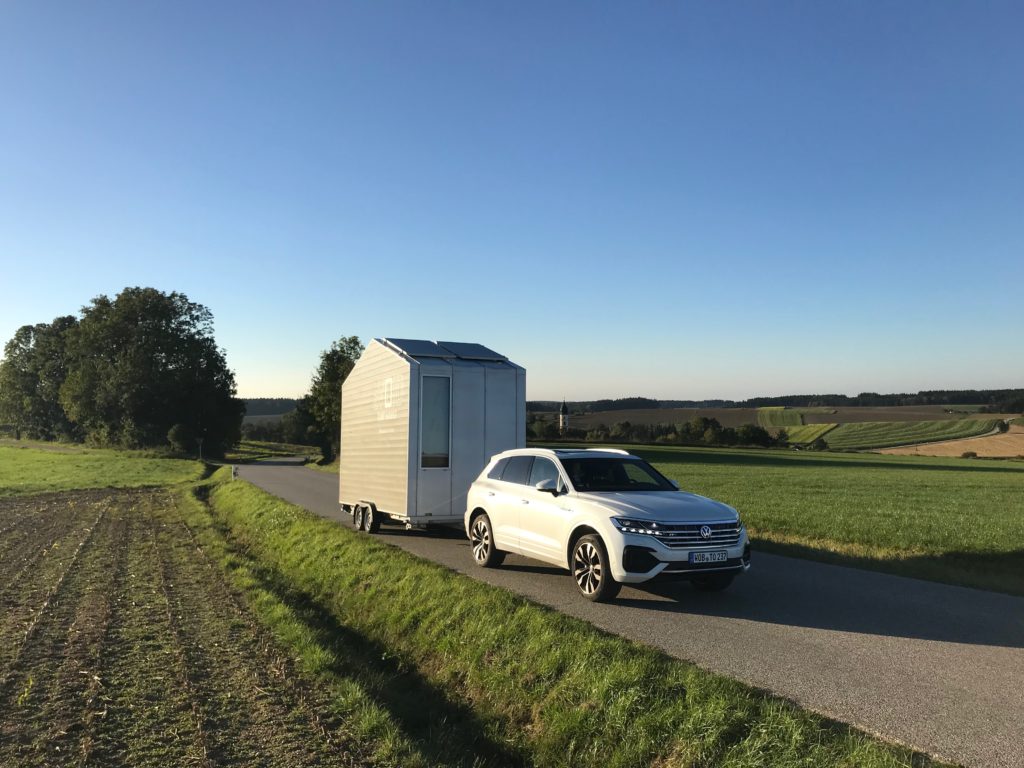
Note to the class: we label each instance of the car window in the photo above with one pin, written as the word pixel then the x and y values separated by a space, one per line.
pixel 517 470
pixel 497 469
pixel 600 474
pixel 543 469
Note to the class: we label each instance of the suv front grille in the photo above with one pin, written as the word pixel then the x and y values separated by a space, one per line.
pixel 687 535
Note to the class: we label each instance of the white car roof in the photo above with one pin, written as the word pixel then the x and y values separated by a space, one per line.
pixel 566 453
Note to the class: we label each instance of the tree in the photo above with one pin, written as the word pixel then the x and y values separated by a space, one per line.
pixel 144 363
pixel 324 400
pixel 31 375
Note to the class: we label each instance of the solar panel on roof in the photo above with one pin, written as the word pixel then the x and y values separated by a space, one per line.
pixel 470 351
pixel 419 348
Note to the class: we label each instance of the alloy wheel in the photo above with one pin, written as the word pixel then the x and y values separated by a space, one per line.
pixel 586 568
pixel 480 537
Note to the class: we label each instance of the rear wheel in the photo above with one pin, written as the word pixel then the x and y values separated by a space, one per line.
pixel 713 582
pixel 591 569
pixel 481 538
pixel 357 518
pixel 371 520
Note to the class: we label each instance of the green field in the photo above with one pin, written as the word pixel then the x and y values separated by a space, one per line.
pixel 778 417
pixel 808 433
pixel 57 468
pixel 885 434
pixel 953 520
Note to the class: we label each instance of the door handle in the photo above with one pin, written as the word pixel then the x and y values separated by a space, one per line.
pixel 490 493
pixel 524 501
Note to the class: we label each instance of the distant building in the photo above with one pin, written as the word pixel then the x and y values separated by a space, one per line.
pixel 563 418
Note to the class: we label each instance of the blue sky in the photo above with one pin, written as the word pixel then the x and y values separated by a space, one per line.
pixel 677 200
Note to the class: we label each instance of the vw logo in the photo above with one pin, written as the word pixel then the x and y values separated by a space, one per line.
pixel 705 531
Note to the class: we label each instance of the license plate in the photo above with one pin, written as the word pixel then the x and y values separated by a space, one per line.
pixel 709 557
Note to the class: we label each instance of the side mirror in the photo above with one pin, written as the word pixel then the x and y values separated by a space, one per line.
pixel 547 486
pixel 675 484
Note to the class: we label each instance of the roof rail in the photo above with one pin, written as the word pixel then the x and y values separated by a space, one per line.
pixel 610 450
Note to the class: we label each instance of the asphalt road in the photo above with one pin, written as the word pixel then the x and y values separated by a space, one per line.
pixel 934 667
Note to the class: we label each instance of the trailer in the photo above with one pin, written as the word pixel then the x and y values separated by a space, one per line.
pixel 419 421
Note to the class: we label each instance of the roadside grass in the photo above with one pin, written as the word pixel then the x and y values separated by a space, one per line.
pixel 808 433
pixel 778 416
pixel 434 668
pixel 886 434
pixel 330 467
pixel 58 468
pixel 959 521
pixel 252 450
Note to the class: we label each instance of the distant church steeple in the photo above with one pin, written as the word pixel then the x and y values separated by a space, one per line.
pixel 563 418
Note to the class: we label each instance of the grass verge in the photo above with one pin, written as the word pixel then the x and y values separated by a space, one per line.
pixel 435 668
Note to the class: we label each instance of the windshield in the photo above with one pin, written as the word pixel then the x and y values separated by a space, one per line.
pixel 614 474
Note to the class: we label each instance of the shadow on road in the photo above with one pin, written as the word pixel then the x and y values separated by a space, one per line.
pixel 791 592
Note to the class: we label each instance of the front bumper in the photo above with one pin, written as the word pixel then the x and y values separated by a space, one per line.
pixel 638 559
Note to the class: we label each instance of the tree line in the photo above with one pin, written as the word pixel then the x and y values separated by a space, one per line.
pixel 316 418
pixel 139 370
pixel 698 431
pixel 993 400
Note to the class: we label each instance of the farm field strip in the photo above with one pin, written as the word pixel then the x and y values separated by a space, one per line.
pixel 888 434
pixel 779 417
pixel 133 650
pixel 808 433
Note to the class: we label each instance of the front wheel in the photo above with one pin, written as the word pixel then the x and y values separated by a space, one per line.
pixel 358 515
pixel 592 571
pixel 481 538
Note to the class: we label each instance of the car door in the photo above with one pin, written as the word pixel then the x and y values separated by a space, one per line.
pixel 543 515
pixel 504 501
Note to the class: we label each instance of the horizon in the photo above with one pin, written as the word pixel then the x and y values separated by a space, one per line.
pixel 700 202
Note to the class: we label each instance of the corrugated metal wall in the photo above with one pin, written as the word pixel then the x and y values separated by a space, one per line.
pixel 375 417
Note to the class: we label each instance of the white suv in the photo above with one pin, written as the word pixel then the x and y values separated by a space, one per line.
pixel 606 515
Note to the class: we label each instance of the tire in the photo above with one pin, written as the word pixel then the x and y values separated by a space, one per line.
pixel 591 569
pixel 357 518
pixel 481 539
pixel 371 520
pixel 713 582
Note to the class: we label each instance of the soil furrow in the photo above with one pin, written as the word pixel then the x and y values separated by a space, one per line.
pixel 37 615
pixel 299 695
pixel 139 714
pixel 41 686
pixel 247 720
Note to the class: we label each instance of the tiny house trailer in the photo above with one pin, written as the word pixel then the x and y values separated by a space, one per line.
pixel 419 421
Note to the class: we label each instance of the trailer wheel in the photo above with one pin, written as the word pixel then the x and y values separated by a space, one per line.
pixel 371 520
pixel 357 517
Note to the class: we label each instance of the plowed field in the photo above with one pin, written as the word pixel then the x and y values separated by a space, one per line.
pixel 121 644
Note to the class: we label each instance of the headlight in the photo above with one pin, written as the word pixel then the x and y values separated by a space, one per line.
pixel 631 525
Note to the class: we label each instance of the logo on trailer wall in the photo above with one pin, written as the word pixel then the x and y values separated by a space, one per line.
pixel 705 531
pixel 384 400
